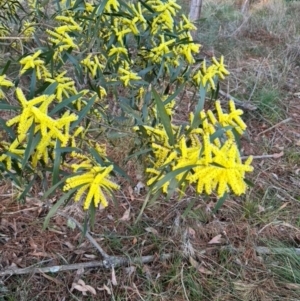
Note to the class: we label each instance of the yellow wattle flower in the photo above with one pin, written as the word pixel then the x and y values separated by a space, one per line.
pixel 94 181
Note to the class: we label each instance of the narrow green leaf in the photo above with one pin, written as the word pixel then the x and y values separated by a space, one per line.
pixel 165 118
pixel 7 129
pixel 5 67
pixel 145 71
pixel 83 112
pixel 141 152
pixel 54 187
pixel 31 145
pixel 126 108
pixel 68 149
pixel 220 202
pixel 55 207
pixel 147 6
pixel 65 103
pixel 171 97
pixel 197 121
pixel 10 175
pixel 32 84
pixel 219 133
pixel 51 89
pixel 101 8
pixel 188 208
pixel 97 157
pixel 29 185
pixel 92 216
pixel 73 60
pixel 119 170
pixel 249 183
pixel 175 184
pixel 6 106
pixel 169 176
pixel 56 164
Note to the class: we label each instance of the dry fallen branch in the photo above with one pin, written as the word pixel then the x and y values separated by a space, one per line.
pixel 87 235
pixel 108 261
pixel 118 261
pixel 276 125
pixel 274 156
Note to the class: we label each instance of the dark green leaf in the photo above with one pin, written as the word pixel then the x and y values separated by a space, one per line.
pixel 165 118
pixel 32 84
pixel 28 187
pixel 51 89
pixel 197 121
pixel 31 145
pixel 6 106
pixel 54 208
pixel 101 8
pixel 83 112
pixel 65 103
pixel 220 202
pixel 56 164
pixel 170 175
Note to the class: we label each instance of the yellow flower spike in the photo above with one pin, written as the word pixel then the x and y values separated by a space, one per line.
pixel 182 147
pixel 80 192
pixel 220 67
pixel 131 24
pixel 31 62
pixel 28 29
pixel 137 9
pixel 187 51
pixel 65 85
pixel 112 5
pixel 13 148
pixel 219 111
pixel 211 117
pixel 207 149
pixel 4 83
pixel 95 181
pixel 121 34
pixel 188 25
pixel 248 162
pixel 126 76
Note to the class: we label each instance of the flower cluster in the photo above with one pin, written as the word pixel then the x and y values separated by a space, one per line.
pixel 35 113
pixel 215 161
pixel 92 178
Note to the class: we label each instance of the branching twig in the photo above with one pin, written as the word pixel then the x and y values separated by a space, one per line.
pixel 88 235
pixel 275 156
pixel 119 261
pixel 276 125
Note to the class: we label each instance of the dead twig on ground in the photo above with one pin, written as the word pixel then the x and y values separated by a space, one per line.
pixel 274 126
pixel 118 261
pixel 274 156
pixel 87 235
